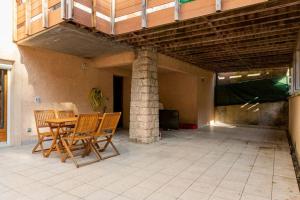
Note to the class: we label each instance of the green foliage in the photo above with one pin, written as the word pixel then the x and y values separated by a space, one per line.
pixel 185 1
pixel 97 100
pixel 254 91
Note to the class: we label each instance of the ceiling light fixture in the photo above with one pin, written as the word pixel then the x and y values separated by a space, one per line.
pixel 221 77
pixel 236 76
pixel 252 75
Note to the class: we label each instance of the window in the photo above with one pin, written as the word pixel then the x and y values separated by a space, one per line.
pixel 296 73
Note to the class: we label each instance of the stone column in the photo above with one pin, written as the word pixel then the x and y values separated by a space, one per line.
pixel 144 105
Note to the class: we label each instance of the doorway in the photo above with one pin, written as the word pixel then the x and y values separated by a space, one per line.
pixel 3 105
pixel 118 97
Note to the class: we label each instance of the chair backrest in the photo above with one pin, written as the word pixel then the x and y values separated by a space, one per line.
pixel 86 123
pixel 41 116
pixel 65 114
pixel 109 123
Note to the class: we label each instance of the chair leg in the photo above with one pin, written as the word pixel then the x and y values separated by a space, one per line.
pixel 94 149
pixel 39 144
pixel 97 145
pixel 34 150
pixel 66 156
pixel 115 148
pixel 51 147
pixel 87 149
pixel 42 147
pixel 108 141
pixel 70 153
pixel 104 147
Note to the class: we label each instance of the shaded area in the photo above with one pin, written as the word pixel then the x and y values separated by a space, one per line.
pixel 258 91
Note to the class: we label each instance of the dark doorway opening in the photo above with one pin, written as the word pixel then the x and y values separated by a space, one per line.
pixel 118 97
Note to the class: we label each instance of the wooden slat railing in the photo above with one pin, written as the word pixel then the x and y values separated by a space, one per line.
pixel 112 16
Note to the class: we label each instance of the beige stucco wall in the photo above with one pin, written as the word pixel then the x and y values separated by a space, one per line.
pixel 178 91
pixel 57 78
pixel 205 99
pixel 61 83
pixel 192 95
pixel 294 122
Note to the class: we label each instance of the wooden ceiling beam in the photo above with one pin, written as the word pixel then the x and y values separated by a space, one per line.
pixel 249 54
pixel 254 67
pixel 257 47
pixel 244 44
pixel 237 37
pixel 253 58
pixel 213 18
pixel 198 31
pixel 260 35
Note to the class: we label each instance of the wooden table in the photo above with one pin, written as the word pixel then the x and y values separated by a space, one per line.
pixel 56 126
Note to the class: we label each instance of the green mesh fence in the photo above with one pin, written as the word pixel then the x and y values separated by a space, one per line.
pixel 258 91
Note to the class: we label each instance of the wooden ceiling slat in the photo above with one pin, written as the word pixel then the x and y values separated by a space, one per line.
pixel 238 44
pixel 196 30
pixel 213 18
pixel 257 36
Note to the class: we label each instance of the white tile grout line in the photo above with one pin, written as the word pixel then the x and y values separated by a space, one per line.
pixel 206 154
pixel 167 181
pixel 210 196
pixel 222 178
pixel 63 191
pixel 177 173
pixel 191 165
pixel 249 175
pixel 137 183
pixel 273 172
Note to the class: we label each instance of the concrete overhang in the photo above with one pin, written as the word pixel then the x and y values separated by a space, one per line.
pixel 71 39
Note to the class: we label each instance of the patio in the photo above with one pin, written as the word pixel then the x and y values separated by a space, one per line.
pixel 146 66
pixel 217 163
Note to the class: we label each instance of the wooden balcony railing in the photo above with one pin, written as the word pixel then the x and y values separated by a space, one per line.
pixel 33 16
pixel 112 16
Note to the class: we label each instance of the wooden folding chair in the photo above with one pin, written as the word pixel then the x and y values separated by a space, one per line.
pixel 106 132
pixel 62 114
pixel 85 125
pixel 65 114
pixel 43 132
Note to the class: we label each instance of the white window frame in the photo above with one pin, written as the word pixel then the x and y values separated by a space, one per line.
pixel 296 72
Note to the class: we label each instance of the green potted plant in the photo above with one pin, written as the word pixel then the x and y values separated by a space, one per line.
pixel 97 100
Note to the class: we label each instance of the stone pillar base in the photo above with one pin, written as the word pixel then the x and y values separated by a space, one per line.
pixel 144 105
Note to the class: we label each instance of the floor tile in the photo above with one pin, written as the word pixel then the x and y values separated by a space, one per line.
pixel 137 193
pixel 82 190
pixel 65 196
pixel 160 196
pixel 210 163
pixel 101 194
pixel 194 195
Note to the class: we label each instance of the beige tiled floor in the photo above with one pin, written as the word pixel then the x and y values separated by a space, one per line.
pixel 209 164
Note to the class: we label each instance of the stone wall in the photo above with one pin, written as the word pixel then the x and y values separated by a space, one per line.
pixel 144 105
pixel 273 114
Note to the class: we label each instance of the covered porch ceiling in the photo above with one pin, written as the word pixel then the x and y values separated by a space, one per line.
pixel 263 35
pixel 259 36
